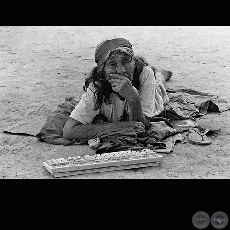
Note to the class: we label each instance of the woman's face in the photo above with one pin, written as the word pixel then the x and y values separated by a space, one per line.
pixel 119 63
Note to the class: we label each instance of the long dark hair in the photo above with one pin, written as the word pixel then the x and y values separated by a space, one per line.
pixel 103 87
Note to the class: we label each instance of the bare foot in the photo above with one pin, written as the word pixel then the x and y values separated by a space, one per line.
pixel 167 74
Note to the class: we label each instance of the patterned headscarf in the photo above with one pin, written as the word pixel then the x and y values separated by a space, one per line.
pixel 104 49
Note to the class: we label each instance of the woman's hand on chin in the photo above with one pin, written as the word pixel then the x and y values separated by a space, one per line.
pixel 122 85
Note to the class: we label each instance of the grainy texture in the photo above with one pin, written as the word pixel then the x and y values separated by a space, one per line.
pixel 40 66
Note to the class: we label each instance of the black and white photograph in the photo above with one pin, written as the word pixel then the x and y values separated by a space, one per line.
pixel 115 102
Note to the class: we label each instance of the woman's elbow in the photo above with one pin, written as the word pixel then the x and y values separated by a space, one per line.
pixel 67 133
pixel 68 129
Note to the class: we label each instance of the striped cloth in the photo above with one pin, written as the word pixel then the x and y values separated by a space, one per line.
pixel 104 49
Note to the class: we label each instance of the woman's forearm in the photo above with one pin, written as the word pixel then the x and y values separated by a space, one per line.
pixel 89 131
pixel 136 111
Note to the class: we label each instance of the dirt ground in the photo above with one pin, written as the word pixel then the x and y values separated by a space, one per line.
pixel 41 65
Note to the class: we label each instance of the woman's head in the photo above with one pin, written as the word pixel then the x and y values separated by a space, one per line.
pixel 114 56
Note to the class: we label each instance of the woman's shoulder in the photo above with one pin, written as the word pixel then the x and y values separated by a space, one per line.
pixel 146 74
pixel 147 70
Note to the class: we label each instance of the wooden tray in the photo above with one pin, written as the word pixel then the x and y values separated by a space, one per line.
pixel 103 162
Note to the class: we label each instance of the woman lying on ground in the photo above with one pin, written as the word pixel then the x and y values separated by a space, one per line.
pixel 123 89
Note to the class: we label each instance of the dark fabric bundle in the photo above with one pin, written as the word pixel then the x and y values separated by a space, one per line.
pixel 52 130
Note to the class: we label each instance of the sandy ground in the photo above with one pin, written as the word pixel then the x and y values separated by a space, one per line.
pixel 40 66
